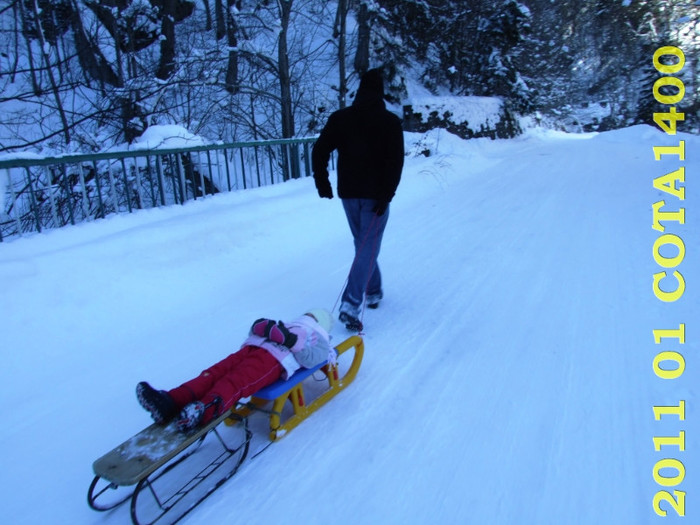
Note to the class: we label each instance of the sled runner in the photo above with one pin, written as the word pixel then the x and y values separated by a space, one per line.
pixel 161 470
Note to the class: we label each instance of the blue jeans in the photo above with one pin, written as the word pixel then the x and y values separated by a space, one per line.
pixel 365 279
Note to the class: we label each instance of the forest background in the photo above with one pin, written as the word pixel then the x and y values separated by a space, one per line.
pixel 86 75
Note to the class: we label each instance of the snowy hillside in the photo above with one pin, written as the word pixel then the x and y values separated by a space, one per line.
pixel 507 377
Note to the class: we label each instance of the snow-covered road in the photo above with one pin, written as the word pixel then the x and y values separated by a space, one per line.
pixel 507 377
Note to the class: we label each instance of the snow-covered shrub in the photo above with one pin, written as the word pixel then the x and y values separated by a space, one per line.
pixel 466 117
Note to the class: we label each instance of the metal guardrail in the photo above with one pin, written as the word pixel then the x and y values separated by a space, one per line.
pixel 52 192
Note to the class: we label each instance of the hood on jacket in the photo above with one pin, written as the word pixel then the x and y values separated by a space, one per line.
pixel 371 88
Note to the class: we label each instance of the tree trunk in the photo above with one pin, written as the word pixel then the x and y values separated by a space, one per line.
pixel 290 158
pixel 283 71
pixel 232 85
pixel 167 42
pixel 220 19
pixel 36 88
pixel 49 72
pixel 91 59
pixel 16 40
pixel 207 14
pixel 339 30
pixel 361 63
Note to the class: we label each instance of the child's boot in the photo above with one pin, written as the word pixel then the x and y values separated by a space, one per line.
pixel 157 402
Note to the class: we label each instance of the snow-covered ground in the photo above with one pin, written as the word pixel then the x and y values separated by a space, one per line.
pixel 507 377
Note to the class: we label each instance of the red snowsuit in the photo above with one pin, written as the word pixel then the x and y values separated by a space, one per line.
pixel 257 364
pixel 239 375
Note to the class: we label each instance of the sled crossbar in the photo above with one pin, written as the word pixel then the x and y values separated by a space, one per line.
pixel 281 386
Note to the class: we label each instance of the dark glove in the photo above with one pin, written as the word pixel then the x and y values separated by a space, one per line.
pixel 380 208
pixel 323 186
pixel 275 332
pixel 261 327
pixel 280 331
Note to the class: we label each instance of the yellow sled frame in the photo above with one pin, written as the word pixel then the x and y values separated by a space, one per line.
pixel 293 390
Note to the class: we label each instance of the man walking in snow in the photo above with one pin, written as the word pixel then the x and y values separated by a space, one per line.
pixel 369 141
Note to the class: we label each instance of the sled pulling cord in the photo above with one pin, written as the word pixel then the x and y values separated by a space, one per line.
pixel 164 471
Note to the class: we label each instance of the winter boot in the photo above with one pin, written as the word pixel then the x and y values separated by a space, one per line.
pixel 195 414
pixel 374 299
pixel 190 416
pixel 351 322
pixel 157 402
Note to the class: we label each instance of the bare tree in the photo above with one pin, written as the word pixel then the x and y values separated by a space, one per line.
pixel 167 41
pixel 231 83
pixel 220 19
pixel 363 15
pixel 339 32
pixel 48 67
pixel 287 113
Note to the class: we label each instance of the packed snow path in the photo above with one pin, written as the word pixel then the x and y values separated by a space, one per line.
pixel 508 372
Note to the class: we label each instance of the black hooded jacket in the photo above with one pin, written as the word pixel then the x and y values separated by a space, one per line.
pixel 369 140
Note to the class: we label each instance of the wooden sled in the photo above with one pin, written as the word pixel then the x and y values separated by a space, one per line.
pixel 164 471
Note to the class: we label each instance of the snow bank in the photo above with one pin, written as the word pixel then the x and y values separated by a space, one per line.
pixel 167 137
pixel 21 155
pixel 478 112
pixel 467 117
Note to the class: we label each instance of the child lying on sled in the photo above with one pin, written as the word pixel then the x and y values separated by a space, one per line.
pixel 273 350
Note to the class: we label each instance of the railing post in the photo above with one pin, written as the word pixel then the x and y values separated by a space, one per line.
pixel 294 158
pixel 18 221
pixel 181 178
pixel 84 198
pixel 113 187
pixel 127 190
pixel 33 203
pixel 228 168
pixel 99 188
pixel 245 185
pixel 285 162
pixel 66 187
pixel 137 176
pixel 211 174
pixel 52 197
pixel 149 175
pixel 272 166
pixel 307 160
pixel 257 164
pixel 161 180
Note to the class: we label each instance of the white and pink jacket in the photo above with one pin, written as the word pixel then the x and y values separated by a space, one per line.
pixel 313 346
